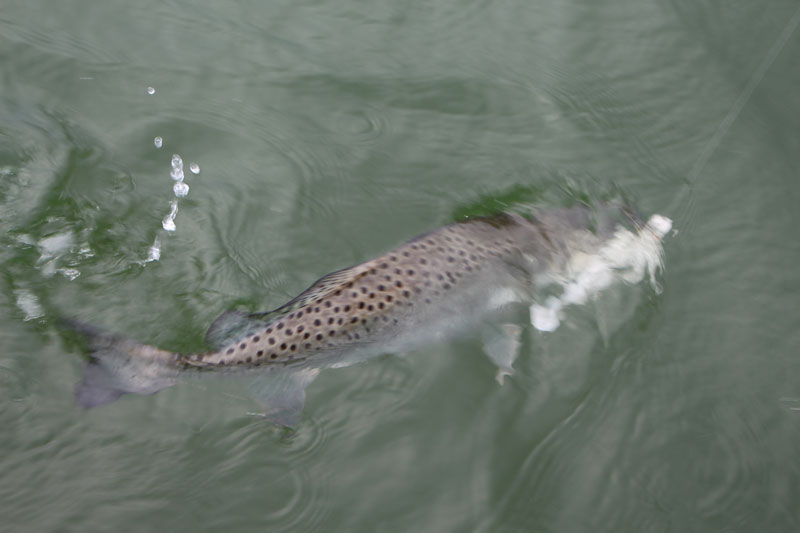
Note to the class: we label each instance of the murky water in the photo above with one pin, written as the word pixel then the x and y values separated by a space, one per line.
pixel 314 135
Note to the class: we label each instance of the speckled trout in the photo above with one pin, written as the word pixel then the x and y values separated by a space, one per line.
pixel 453 279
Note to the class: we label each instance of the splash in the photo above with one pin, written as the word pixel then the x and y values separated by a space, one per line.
pixel 628 256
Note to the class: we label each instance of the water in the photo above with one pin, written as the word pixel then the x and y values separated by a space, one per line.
pixel 329 132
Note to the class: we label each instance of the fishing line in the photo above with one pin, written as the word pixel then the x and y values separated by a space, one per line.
pixel 737 107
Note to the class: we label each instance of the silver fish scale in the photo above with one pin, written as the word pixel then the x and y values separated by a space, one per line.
pixel 375 298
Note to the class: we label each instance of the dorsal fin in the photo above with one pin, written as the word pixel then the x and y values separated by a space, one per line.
pixel 231 324
pixel 227 326
pixel 317 291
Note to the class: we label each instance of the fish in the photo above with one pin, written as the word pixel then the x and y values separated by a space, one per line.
pixel 471 274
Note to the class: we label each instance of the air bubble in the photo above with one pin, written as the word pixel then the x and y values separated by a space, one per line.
pixel 150 90
pixel 195 168
pixel 176 173
pixel 158 141
pixel 71 273
pixel 180 189
pixel 176 162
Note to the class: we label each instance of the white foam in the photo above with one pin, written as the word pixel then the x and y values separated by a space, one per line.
pixel 627 256
pixel 546 317
pixel 195 168
pixel 158 141
pixel 29 304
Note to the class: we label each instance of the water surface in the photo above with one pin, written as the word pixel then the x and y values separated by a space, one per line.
pixel 328 132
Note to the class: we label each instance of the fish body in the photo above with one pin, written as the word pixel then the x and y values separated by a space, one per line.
pixel 428 288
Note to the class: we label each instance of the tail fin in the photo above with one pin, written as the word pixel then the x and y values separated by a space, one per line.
pixel 120 366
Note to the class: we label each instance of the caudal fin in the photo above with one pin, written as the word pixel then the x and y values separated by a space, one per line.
pixel 119 366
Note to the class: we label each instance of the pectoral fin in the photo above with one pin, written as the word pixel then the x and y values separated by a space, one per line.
pixel 282 396
pixel 501 343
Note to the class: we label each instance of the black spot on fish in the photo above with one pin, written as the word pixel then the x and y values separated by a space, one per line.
pixel 249 359
pixel 260 353
pixel 361 305
pixel 346 308
pixel 273 356
pixel 288 331
pixel 371 307
pixel 243 346
pixel 332 332
pixel 293 347
pixel 319 336
pixel 318 322
pixel 410 272
pixel 283 346
pixel 230 351
pixel 280 325
pixel 271 340
pixel 256 338
pixel 354 320
pixel 300 329
pixel 330 321
pixel 299 314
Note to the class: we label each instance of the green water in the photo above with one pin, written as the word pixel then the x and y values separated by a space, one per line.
pixel 328 132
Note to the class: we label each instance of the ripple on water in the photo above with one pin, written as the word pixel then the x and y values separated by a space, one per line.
pixel 374 390
pixel 289 499
pixel 361 126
